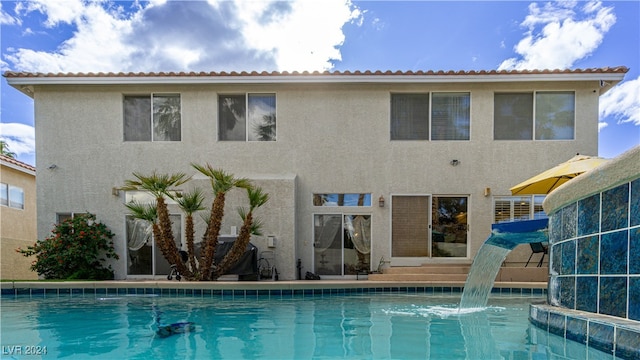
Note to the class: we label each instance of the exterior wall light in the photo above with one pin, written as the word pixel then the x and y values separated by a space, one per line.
pixel 381 201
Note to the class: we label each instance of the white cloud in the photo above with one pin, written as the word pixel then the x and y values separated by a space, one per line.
pixel 21 138
pixel 6 19
pixel 564 37
pixel 622 103
pixel 190 36
pixel 300 35
pixel 56 11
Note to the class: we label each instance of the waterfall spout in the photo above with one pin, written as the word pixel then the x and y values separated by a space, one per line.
pixel 504 238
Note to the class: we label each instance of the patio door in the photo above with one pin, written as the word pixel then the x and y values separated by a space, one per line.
pixel 144 257
pixel 342 244
pixel 410 229
pixel 425 227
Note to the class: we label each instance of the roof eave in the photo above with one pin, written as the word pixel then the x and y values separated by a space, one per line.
pixel 24 169
pixel 23 83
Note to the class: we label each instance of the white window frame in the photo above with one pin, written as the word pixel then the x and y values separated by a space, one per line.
pixel 247 121
pixel 430 125
pixel 534 124
pixel 535 204
pixel 7 190
pixel 151 116
pixel 342 215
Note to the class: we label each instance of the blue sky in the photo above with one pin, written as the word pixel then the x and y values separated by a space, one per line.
pixel 93 36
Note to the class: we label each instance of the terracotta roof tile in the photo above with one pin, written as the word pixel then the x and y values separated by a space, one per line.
pixel 14 74
pixel 17 163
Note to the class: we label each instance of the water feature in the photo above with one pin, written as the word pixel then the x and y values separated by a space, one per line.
pixel 504 238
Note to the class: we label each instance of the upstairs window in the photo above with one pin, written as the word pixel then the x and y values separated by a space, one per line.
pixel 450 116
pixel 11 196
pixel 153 117
pixel 247 117
pixel 409 116
pixel 435 116
pixel 543 115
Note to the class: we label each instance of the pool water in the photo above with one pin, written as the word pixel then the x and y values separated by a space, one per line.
pixel 355 326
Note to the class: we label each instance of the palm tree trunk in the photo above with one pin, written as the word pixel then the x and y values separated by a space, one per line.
pixel 237 250
pixel 189 230
pixel 211 241
pixel 168 241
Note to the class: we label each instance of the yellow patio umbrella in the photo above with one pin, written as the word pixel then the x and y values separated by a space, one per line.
pixel 547 181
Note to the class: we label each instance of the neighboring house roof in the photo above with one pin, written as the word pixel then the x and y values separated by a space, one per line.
pixel 608 77
pixel 18 165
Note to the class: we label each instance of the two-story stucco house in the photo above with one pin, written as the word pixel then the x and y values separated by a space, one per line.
pixel 412 167
pixel 17 217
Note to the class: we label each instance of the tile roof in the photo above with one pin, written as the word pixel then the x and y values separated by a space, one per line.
pixel 16 163
pixel 603 70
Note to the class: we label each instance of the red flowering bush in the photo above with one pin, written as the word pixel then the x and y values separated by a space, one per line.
pixel 76 249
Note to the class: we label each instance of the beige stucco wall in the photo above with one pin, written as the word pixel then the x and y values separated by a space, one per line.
pixel 334 138
pixel 17 226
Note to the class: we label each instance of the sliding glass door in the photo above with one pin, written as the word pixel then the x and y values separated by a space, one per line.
pixel 342 243
pixel 428 226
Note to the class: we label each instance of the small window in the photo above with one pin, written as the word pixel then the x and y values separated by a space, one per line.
pixel 152 117
pixel 363 199
pixel 518 208
pixel 247 117
pixel 11 196
pixel 539 116
pixel 62 217
pixel 4 194
pixel 144 197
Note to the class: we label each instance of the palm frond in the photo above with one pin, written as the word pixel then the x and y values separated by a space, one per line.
pixel 144 211
pixel 221 181
pixel 157 184
pixel 191 202
pixel 256 224
pixel 257 197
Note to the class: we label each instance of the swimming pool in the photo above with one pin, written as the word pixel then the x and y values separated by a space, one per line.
pixel 380 325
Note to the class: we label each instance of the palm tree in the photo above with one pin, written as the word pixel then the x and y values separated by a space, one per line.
pixel 221 183
pixel 4 150
pixel 191 203
pixel 159 185
pixel 257 198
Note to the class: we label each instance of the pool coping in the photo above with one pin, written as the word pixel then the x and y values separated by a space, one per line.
pixel 202 288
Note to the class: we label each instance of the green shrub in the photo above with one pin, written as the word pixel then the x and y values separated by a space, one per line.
pixel 76 249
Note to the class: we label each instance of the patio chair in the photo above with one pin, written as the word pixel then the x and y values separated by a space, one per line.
pixel 537 248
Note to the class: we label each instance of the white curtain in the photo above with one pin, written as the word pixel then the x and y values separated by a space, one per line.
pixel 359 228
pixel 138 233
pixel 327 227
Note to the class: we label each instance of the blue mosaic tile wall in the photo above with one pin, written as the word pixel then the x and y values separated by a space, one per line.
pixel 595 253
